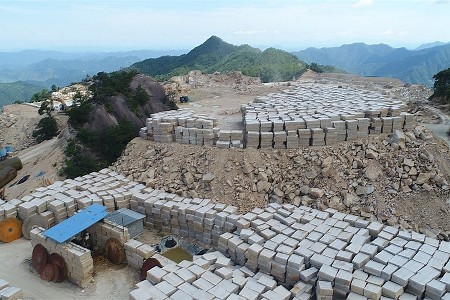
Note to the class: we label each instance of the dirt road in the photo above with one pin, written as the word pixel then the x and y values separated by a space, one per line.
pixel 439 129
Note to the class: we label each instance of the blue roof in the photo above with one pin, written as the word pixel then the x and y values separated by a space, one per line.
pixel 77 223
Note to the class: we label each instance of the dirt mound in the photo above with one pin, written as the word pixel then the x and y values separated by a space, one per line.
pixel 185 84
pixel 402 184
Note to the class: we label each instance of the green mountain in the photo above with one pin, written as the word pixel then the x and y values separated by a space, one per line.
pixel 17 91
pixel 413 66
pixel 216 55
pixel 26 72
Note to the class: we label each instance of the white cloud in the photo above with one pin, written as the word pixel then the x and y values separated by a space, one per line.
pixel 346 33
pixel 362 3
pixel 388 32
pixel 250 32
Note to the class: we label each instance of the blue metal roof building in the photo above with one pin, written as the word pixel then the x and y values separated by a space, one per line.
pixel 82 220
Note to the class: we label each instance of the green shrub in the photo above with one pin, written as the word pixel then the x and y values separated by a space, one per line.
pixel 79 161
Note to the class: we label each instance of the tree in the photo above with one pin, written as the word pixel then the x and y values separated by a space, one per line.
pixel 441 87
pixel 45 108
pixel 44 94
pixel 46 129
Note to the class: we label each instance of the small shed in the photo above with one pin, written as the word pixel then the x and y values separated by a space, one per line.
pixel 70 227
pixel 128 218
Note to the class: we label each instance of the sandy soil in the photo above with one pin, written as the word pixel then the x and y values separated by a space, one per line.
pixel 224 101
pixel 110 281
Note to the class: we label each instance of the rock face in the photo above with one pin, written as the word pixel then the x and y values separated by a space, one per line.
pixel 373 178
pixel 103 117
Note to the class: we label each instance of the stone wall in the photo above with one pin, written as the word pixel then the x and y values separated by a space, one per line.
pixel 80 265
pixel 102 231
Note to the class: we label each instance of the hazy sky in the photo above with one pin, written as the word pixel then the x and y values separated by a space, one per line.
pixel 183 24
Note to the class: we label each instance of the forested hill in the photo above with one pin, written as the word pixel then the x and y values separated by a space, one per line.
pixel 215 55
pixel 413 66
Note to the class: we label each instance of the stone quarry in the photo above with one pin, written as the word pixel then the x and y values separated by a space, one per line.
pixel 280 251
pixel 306 200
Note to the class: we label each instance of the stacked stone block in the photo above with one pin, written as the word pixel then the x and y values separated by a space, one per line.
pixel 102 231
pixel 296 246
pixel 136 253
pixel 207 277
pixel 351 112
pixel 274 120
pixel 181 126
pixel 80 265
pixel 8 292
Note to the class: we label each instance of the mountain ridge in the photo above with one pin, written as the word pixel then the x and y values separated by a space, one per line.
pixel 413 66
pixel 216 55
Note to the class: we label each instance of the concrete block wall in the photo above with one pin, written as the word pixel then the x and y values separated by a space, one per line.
pixel 9 292
pixel 80 265
pixel 102 231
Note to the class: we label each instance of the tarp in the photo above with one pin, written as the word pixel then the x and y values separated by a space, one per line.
pixel 82 220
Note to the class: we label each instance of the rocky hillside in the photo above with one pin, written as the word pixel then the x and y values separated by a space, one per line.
pixel 397 179
pixel 124 105
pixel 105 123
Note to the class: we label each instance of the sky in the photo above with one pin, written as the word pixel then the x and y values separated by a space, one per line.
pixel 111 25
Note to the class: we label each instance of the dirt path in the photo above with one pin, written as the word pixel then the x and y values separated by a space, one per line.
pixel 37 150
pixel 439 129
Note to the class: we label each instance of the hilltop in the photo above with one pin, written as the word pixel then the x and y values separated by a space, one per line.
pixel 216 55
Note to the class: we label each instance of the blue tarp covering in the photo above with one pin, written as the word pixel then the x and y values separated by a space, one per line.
pixel 67 229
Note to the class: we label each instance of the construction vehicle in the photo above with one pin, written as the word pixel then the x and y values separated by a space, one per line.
pixel 184 99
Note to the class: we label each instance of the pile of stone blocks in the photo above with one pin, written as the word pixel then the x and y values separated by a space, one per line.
pixel 137 252
pixel 80 265
pixel 202 219
pixel 63 199
pixel 211 276
pixel 8 292
pixel 229 139
pixel 298 247
pixel 181 126
pixel 8 209
pixel 341 114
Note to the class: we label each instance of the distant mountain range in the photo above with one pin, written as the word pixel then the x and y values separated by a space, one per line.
pixel 215 55
pixel 24 73
pixel 413 66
